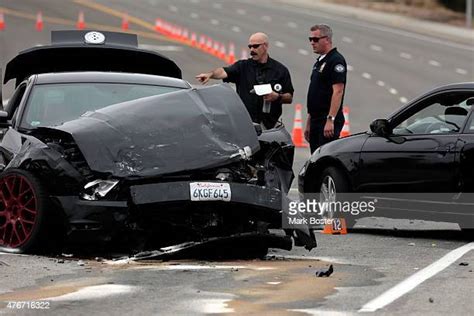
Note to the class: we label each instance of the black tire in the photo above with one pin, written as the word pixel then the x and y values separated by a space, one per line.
pixel 24 213
pixel 336 176
pixel 340 185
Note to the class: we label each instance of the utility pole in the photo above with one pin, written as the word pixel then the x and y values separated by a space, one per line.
pixel 469 14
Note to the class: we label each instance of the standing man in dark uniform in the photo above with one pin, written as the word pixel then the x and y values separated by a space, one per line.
pixel 259 69
pixel 326 90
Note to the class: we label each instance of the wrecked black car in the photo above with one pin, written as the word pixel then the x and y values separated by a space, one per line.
pixel 103 140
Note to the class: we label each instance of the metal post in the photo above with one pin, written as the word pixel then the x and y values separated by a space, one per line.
pixel 469 14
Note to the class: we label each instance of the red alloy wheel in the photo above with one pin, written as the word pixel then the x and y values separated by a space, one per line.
pixel 18 210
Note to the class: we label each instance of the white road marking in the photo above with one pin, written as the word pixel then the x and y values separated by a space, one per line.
pixel 212 303
pixel 214 22
pixel 241 11
pixel 194 15
pixel 405 55
pixel 376 48
pixel 303 52
pixel 293 25
pixel 172 8
pixel 461 71
pixel 280 44
pixel 319 312
pixel 326 259
pixel 273 283
pixel 267 18
pixel 434 63
pixel 217 6
pixel 236 29
pixel 393 91
pixel 403 100
pixel 95 292
pixel 162 48
pixel 366 75
pixel 380 83
pixel 347 39
pixel 350 68
pixel 416 279
pixel 216 306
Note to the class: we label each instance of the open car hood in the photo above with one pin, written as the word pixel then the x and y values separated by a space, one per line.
pixel 174 132
pixel 71 52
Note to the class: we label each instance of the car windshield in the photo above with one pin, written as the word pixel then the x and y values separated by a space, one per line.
pixel 54 104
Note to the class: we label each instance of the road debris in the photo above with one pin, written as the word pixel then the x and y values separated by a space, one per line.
pixel 325 272
pixel 431 300
pixel 80 263
pixel 464 264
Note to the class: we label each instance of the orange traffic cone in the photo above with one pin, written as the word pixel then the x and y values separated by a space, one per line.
pixel 209 45
pixel 39 21
pixel 297 134
pixel 193 39
pixel 346 128
pixel 202 42
pixel 125 22
pixel 337 227
pixel 222 52
pixel 2 21
pixel 158 26
pixel 231 57
pixel 81 24
pixel 215 49
pixel 185 35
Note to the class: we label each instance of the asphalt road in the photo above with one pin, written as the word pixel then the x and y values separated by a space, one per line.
pixel 388 66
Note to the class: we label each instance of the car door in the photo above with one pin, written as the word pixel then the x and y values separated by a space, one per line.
pixel 420 154
pixel 465 157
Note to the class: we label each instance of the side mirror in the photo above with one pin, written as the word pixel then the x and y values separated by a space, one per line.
pixel 381 127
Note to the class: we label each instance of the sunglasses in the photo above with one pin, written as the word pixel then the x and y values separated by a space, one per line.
pixel 315 39
pixel 255 46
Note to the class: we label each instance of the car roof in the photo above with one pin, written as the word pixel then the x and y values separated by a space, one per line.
pixel 109 77
pixel 89 51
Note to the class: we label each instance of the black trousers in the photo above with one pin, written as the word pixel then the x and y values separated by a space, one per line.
pixel 316 132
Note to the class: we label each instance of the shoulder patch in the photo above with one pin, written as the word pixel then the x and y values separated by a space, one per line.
pixel 339 68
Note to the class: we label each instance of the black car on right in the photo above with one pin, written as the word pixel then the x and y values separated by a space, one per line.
pixel 417 164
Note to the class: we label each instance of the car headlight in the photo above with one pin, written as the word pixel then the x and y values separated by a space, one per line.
pixel 98 189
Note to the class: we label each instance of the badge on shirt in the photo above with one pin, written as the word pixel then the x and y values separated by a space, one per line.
pixel 339 68
pixel 277 87
pixel 322 67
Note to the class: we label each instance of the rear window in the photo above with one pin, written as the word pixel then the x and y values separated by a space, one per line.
pixel 54 104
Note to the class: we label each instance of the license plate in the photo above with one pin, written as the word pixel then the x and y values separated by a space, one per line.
pixel 210 191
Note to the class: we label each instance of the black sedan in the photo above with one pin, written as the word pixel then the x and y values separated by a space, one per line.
pixel 416 164
pixel 104 141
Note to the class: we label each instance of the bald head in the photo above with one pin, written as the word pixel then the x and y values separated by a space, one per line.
pixel 259 37
pixel 258 45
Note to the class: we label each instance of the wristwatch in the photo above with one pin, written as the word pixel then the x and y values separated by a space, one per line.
pixel 330 117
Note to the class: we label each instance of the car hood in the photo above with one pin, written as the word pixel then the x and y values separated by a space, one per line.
pixel 174 132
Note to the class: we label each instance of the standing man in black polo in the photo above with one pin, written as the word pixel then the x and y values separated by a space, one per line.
pixel 326 90
pixel 259 69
